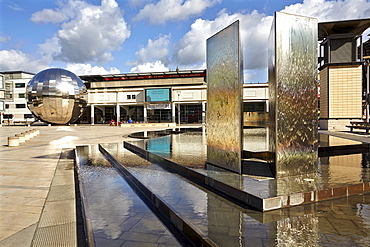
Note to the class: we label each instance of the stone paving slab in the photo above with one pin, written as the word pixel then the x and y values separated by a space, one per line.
pixel 26 172
pixel 58 223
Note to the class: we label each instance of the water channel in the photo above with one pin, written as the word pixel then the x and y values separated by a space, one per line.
pixel 117 215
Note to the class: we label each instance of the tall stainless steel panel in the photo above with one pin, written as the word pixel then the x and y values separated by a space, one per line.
pixel 56 96
pixel 293 94
pixel 224 99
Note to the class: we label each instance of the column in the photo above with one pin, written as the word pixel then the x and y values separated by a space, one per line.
pixel 118 113
pixel 145 114
pixel 173 112
pixel 92 114
pixel 203 112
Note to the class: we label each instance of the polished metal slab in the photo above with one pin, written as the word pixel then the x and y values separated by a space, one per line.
pixel 293 95
pixel 224 99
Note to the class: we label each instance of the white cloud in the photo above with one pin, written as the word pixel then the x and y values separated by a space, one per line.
pixel 14 6
pixel 50 48
pixel 139 3
pixel 88 69
pixel 173 10
pixel 66 10
pixel 90 34
pixel 157 66
pixel 331 10
pixel 17 60
pixel 155 50
pixel 196 66
pixel 48 15
pixel 4 38
pixel 255 28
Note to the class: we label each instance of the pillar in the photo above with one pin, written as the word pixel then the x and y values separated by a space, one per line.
pixel 203 112
pixel 92 114
pixel 173 112
pixel 145 114
pixel 118 113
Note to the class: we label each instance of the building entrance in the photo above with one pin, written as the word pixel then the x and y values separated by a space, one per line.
pixel 159 116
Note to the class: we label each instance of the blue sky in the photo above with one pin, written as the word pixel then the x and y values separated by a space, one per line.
pixel 123 36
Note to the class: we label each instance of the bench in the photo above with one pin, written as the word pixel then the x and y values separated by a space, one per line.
pixel 359 125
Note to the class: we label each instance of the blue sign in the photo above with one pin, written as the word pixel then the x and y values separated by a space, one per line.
pixel 157 95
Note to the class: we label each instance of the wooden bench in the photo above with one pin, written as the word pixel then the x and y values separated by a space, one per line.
pixel 359 125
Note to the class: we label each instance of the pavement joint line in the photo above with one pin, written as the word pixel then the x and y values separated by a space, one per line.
pixel 24 187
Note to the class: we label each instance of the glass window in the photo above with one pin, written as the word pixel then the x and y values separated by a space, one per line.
pixel 20 106
pixel 21 95
pixel 128 96
pixel 20 85
pixel 254 107
pixel 1 82
pixel 133 96
pixel 6 106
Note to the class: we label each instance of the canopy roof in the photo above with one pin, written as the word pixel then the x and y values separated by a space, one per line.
pixel 343 27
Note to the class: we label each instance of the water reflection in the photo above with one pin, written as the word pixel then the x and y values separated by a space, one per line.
pixel 343 221
pixel 189 149
pixel 104 191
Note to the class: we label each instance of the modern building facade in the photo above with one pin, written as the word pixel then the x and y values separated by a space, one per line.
pixel 141 97
pixel 341 72
pixel 2 97
pixel 157 98
pixel 14 91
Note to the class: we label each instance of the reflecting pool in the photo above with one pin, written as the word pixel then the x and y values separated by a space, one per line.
pixel 114 209
pixel 189 149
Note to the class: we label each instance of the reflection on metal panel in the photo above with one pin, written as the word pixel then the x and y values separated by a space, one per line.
pixel 56 96
pixel 224 99
pixel 293 94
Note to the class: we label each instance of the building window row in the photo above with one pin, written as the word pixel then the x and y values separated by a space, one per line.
pixel 20 85
pixel 19 106
pixel 131 96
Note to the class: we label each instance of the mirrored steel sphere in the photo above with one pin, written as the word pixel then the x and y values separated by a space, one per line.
pixel 56 96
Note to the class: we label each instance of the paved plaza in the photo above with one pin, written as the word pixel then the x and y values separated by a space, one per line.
pixel 36 181
pixel 27 172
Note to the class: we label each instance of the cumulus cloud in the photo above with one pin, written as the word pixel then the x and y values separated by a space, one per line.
pixel 193 66
pixel 173 10
pixel 331 10
pixel 88 69
pixel 17 60
pixel 90 34
pixel 156 66
pixel 255 28
pixel 155 50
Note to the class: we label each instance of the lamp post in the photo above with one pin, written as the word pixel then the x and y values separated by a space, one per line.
pixel 178 107
pixel 367 90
